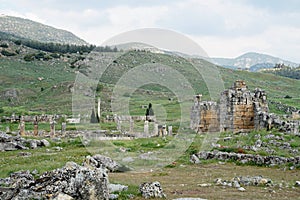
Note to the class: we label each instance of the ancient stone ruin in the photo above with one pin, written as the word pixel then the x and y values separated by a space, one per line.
pixel 239 110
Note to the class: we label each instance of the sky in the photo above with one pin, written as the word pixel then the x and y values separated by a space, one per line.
pixel 223 28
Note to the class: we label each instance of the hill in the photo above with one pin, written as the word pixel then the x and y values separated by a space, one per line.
pixel 253 61
pixel 28 29
pixel 45 84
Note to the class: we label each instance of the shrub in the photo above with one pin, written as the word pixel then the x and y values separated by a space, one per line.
pixel 29 57
pixel 4 45
pixel 8 53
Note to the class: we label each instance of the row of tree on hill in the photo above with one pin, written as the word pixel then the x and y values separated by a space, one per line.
pixel 55 47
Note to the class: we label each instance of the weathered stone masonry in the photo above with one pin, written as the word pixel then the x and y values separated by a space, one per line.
pixel 239 110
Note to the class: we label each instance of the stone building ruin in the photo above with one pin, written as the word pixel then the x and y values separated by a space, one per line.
pixel 239 110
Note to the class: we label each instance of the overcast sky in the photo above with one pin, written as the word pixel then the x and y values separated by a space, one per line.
pixel 225 28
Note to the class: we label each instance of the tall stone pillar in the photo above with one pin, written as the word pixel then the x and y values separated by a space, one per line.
pixel 35 127
pixel 63 128
pixel 155 130
pixel 170 130
pixel 98 109
pixel 119 124
pixel 22 126
pixel 164 130
pixel 131 126
pixel 52 128
pixel 146 128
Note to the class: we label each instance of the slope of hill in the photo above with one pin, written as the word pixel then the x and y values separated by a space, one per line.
pixel 248 60
pixel 32 30
pixel 285 71
pixel 45 85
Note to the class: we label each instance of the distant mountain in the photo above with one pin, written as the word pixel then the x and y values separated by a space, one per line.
pixel 253 61
pixel 28 29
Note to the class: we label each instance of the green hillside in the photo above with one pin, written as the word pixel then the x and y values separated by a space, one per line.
pixel 45 85
pixel 32 30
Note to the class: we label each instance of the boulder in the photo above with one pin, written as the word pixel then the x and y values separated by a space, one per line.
pixel 99 160
pixel 45 143
pixel 117 188
pixel 70 182
pixel 151 190
pixel 194 159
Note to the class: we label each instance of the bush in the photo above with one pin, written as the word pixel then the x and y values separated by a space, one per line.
pixel 40 55
pixel 8 53
pixel 29 57
pixel 4 45
pixel 18 42
pixel 288 97
pixel 55 55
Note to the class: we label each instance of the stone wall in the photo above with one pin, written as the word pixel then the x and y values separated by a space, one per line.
pixel 239 106
pixel 239 110
pixel 247 158
pixel 208 117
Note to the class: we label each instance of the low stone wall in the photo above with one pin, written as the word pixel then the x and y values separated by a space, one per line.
pixel 11 143
pixel 247 158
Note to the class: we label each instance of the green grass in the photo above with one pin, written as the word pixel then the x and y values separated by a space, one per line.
pixel 237 143
pixel 43 159
pixel 52 96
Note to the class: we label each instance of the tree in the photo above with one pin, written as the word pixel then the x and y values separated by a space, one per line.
pixel 94 119
pixel 149 111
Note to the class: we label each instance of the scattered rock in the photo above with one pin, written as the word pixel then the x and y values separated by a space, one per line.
pixel 245 181
pixel 151 190
pixel 241 189
pixel 12 143
pixel 32 144
pixel 258 143
pixel 117 188
pixel 128 159
pixel 45 143
pixel 236 184
pixel 227 138
pixel 57 148
pixel 70 182
pixel 62 196
pixel 113 196
pixel 99 160
pixel 249 158
pixel 194 159
pixel 24 154
pixel 204 185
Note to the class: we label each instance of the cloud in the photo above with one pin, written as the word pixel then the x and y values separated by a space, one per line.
pixel 226 28
pixel 276 40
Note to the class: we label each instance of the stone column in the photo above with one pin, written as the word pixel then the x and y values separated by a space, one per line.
pixel 146 128
pixel 119 125
pixel 131 127
pixel 52 128
pixel 98 110
pixel 164 130
pixel 35 127
pixel 155 131
pixel 63 128
pixel 22 126
pixel 170 130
